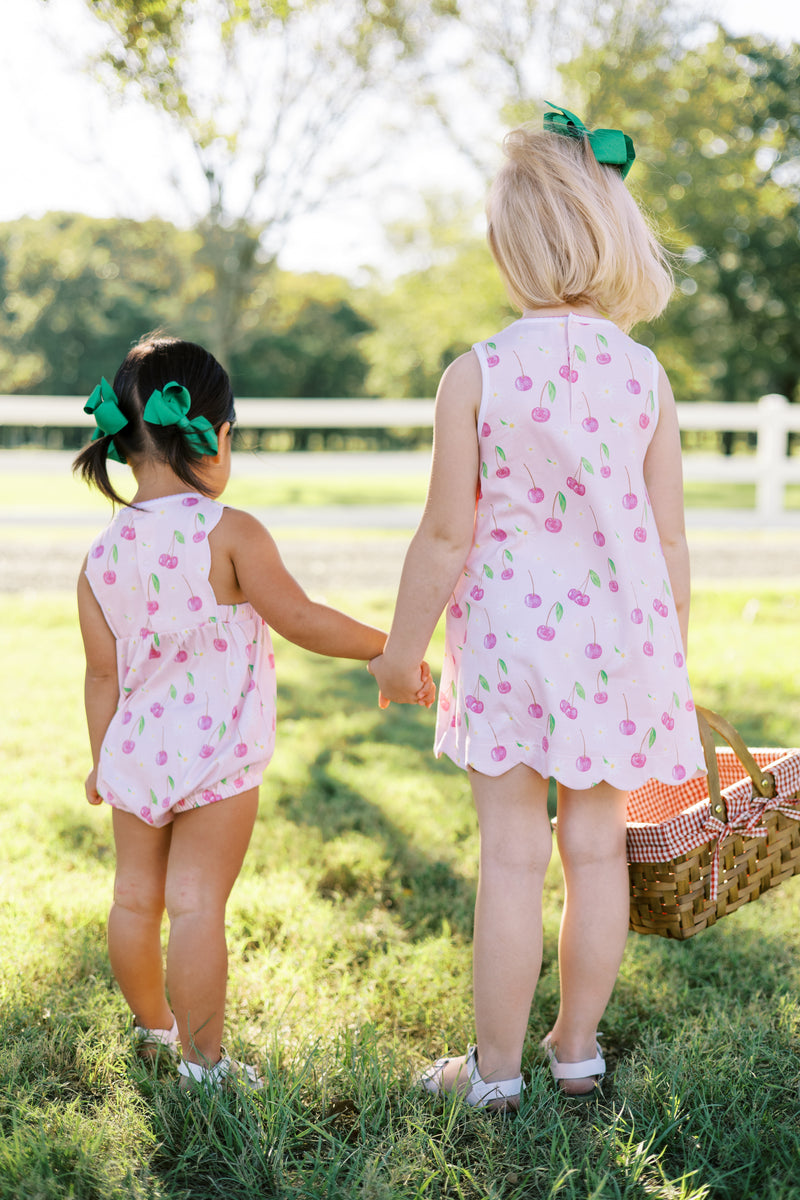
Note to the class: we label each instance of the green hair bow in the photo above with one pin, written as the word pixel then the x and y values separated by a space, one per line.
pixel 170 406
pixel 610 146
pixel 104 406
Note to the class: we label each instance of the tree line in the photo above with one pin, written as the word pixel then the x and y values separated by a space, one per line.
pixel 716 122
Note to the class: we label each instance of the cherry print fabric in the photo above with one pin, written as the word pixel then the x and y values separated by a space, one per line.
pixel 196 716
pixel 563 649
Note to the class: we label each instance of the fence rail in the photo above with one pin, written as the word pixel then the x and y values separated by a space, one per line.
pixel 771 418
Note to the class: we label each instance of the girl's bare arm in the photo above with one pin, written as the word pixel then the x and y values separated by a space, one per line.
pixel 101 685
pixel 439 548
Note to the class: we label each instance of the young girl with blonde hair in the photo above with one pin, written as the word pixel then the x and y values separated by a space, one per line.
pixel 554 528
pixel 175 598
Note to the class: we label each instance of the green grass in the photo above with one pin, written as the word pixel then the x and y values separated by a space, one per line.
pixel 349 933
pixel 61 492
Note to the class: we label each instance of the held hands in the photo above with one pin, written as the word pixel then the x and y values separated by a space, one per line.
pixel 402 686
pixel 92 794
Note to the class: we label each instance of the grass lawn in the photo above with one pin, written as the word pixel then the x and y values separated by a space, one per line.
pixel 349 934
pixel 61 492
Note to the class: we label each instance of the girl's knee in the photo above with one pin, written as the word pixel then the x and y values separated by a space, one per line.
pixel 139 896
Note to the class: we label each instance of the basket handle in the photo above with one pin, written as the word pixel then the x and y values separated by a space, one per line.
pixel 763 782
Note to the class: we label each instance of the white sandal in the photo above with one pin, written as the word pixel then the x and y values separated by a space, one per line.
pixel 227 1070
pixel 152 1044
pixel 578 1070
pixel 480 1094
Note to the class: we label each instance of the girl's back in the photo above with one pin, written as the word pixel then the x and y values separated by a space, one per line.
pixel 563 646
pixel 196 719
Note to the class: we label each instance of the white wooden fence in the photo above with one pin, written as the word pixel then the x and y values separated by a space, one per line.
pixel 770 418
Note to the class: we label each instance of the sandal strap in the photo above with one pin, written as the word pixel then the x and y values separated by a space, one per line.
pixel 482 1093
pixel 578 1070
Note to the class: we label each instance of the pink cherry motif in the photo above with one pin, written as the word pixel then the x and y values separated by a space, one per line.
pixel 498 534
pixel 492 359
pixel 630 499
pixel 154 652
pixel 128 746
pixel 199 536
pixel 157 709
pixel 220 644
pixel 181 656
pixel 535 494
pixel 145 814
pixel 206 751
pixel 502 471
pixel 633 385
pixel 498 752
pixel 541 414
pixel 128 532
pixel 109 577
pixel 523 382
pixel 240 750
pixel 98 551
pixel 602 356
pixel 127 717
pixel 189 501
pixel 204 722
pixel 485 430
pixel 161 758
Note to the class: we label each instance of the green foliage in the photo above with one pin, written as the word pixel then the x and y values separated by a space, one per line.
pixel 78 291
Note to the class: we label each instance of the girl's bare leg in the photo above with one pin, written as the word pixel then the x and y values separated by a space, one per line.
pixel 507 952
pixel 134 923
pixel 594 924
pixel 208 848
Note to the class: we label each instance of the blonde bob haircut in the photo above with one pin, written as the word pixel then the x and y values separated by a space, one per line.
pixel 564 229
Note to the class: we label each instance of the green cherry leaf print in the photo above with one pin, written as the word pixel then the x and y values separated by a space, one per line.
pixel 222 729
pixel 488 572
pixel 466 720
pixel 499 450
pixel 604 676
pixel 587 466
pixel 171 783
pixel 559 611
pixel 595 578
pixel 179 537
pixel 611 566
pixel 562 501
pixel 201 518
pixel 141 725
pixel 604 450
pixel 603 341
pixel 190 677
pixel 651 738
pixel 579 691
pixel 483 683
pixel 551 723
pixel 156 584
pixel 173 692
pixel 115 552
pixel 484 471
pixel 502 666
pixel 580 354
pixel 153 797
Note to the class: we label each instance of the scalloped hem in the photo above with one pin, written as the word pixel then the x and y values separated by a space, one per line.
pixel 621 775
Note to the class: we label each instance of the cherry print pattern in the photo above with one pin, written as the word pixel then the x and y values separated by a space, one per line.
pixel 563 649
pixel 198 678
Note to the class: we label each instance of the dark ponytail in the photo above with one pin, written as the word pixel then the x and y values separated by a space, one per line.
pixel 154 362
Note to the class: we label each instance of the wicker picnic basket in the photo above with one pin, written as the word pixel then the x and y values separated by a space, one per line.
pixel 701 850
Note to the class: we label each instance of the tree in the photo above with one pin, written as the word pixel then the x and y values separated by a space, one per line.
pixel 78 291
pixel 265 92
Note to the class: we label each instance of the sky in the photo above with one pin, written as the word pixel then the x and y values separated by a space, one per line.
pixel 66 147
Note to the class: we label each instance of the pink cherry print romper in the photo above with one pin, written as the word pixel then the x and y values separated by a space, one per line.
pixel 196 715
pixel 563 649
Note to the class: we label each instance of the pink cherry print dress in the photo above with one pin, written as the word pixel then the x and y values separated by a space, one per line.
pixel 563 649
pixel 196 715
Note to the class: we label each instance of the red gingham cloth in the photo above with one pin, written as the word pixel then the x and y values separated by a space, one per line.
pixel 665 822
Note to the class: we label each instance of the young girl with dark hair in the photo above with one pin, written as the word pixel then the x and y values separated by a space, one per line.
pixel 175 597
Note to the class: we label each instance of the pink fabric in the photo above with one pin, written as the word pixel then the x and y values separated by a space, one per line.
pixel 196 717
pixel 563 649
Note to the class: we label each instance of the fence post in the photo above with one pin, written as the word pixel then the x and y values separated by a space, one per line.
pixel 771 456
